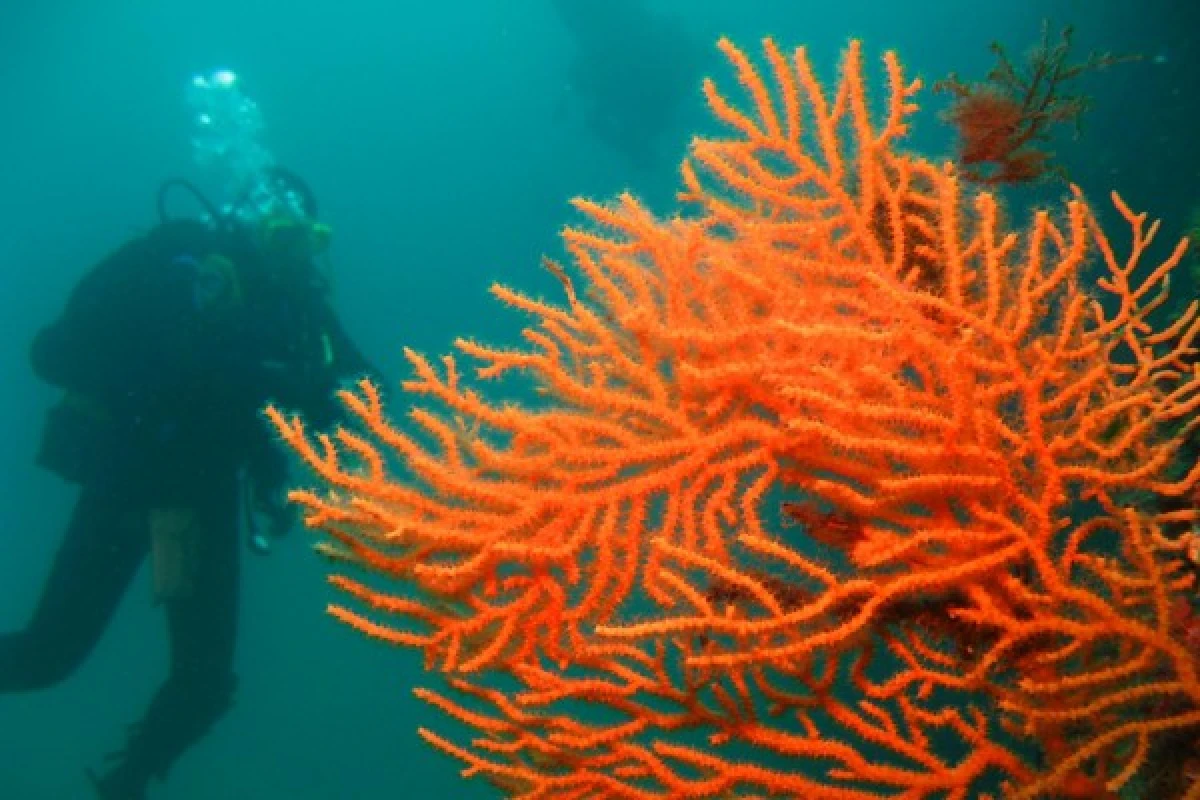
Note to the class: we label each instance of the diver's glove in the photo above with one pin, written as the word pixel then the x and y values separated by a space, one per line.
pixel 270 517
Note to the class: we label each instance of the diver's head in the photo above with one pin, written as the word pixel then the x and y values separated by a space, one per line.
pixel 281 212
pixel 273 205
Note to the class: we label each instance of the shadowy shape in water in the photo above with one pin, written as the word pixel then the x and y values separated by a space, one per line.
pixel 631 72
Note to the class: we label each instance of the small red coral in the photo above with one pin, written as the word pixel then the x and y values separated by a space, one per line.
pixel 1004 122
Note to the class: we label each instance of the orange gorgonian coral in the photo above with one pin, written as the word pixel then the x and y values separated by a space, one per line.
pixel 835 487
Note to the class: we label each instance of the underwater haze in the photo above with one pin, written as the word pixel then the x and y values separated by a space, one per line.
pixel 444 141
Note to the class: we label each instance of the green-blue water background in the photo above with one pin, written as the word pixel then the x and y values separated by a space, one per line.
pixel 443 140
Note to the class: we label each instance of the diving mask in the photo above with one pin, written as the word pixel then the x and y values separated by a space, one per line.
pixel 295 236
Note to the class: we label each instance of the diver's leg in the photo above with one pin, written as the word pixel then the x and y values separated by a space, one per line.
pixel 203 628
pixel 95 562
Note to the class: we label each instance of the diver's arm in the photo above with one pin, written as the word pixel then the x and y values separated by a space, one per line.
pixel 88 347
pixel 313 395
pixel 57 358
pixel 345 363
pixel 121 328
pixel 348 360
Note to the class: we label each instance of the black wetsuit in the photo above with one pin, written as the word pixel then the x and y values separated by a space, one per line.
pixel 167 357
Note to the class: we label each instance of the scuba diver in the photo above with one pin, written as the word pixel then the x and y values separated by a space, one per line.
pixel 166 353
